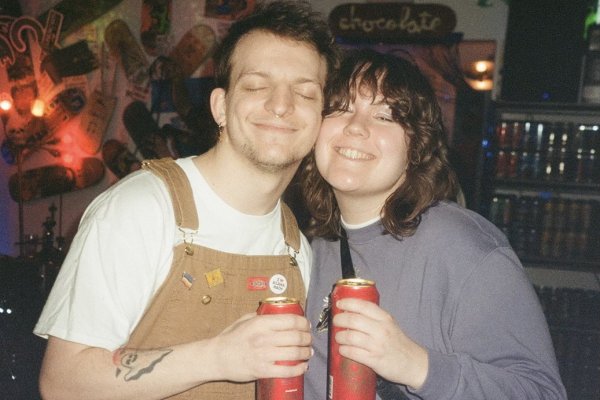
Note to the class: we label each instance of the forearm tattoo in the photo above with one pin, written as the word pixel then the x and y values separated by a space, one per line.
pixel 136 363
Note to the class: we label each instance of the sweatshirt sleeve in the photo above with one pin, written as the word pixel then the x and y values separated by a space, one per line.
pixel 500 343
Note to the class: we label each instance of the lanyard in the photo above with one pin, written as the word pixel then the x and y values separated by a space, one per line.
pixel 347 265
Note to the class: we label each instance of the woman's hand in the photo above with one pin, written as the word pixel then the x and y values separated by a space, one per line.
pixel 372 337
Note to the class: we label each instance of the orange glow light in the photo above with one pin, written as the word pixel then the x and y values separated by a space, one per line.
pixel 5 102
pixel 68 159
pixel 5 105
pixel 485 84
pixel 37 108
pixel 483 66
pixel 479 75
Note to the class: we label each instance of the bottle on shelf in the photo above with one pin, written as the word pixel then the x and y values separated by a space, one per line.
pixel 590 77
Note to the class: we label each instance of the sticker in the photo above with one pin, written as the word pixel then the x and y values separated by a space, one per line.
pixel 52 30
pixel 278 284
pixel 187 279
pixel 255 283
pixel 214 277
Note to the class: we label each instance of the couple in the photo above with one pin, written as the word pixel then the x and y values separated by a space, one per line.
pixel 164 305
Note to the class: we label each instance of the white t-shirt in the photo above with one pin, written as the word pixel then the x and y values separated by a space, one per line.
pixel 122 252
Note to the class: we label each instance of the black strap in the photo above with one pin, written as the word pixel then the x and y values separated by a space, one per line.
pixel 385 389
pixel 347 266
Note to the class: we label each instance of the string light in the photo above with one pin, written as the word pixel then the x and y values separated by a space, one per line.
pixel 5 106
pixel 5 102
pixel 37 108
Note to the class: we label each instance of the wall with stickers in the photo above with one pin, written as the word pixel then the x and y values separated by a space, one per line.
pixel 93 87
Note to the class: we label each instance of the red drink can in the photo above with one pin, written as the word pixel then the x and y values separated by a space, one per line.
pixel 347 379
pixel 280 388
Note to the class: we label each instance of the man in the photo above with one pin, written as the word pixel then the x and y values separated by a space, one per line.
pixel 157 294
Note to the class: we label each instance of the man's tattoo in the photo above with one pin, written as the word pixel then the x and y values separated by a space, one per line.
pixel 137 363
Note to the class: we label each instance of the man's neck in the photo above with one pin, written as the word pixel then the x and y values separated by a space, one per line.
pixel 241 184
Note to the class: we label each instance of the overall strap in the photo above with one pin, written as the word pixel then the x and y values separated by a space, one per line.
pixel 289 226
pixel 179 188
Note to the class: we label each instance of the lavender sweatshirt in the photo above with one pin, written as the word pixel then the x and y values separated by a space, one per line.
pixel 457 288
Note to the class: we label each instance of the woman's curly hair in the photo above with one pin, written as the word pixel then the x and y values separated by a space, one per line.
pixel 429 177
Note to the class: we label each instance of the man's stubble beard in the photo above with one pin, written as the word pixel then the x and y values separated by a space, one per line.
pixel 271 167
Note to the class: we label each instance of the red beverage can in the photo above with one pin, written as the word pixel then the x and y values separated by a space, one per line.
pixel 280 388
pixel 347 379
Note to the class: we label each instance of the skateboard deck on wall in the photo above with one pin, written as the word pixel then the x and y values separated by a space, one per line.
pixel 78 13
pixel 125 47
pixel 94 121
pixel 155 27
pixel 56 179
pixel 98 112
pixel 190 99
pixel 229 10
pixel 191 143
pixel 144 131
pixel 119 160
pixel 64 106
pixel 194 48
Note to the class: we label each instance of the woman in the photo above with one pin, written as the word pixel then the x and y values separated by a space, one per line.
pixel 458 318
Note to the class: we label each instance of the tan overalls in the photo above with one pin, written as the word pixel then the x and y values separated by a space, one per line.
pixel 206 290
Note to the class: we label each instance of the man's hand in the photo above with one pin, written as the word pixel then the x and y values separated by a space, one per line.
pixel 250 347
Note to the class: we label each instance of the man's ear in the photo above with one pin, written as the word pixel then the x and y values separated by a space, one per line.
pixel 217 106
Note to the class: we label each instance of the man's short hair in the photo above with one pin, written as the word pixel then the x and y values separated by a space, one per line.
pixel 294 20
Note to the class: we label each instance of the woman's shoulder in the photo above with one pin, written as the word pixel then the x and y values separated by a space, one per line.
pixel 450 223
pixel 457 242
pixel 320 244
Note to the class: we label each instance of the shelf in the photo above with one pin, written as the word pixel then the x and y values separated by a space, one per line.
pixel 550 214
pixel 549 112
pixel 576 264
pixel 574 330
pixel 592 189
